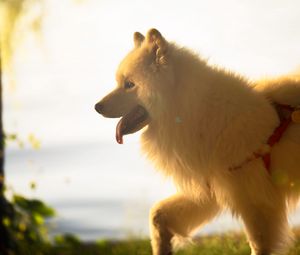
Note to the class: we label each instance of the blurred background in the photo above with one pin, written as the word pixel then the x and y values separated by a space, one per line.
pixel 62 59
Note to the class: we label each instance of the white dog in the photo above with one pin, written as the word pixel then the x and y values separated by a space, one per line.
pixel 227 143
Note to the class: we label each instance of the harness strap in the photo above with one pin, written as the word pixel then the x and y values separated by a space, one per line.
pixel 273 139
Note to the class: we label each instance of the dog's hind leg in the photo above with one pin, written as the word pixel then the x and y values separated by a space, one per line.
pixel 177 215
pixel 267 229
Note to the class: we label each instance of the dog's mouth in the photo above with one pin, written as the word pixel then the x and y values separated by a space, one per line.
pixel 132 122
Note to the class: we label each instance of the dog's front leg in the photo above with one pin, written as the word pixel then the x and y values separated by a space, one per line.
pixel 177 215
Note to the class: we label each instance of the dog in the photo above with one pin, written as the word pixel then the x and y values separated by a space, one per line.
pixel 226 142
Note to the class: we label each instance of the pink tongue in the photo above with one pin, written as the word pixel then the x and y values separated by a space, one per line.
pixel 119 135
pixel 131 122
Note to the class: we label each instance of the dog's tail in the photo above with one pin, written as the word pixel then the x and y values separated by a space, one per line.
pixel 283 90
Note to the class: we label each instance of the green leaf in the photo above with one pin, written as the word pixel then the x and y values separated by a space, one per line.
pixel 38 219
pixel 34 206
pixel 6 222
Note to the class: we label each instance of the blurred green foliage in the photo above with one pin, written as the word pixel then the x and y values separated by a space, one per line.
pixel 32 140
pixel 226 244
pixel 25 221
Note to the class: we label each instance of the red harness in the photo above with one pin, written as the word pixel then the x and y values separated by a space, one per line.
pixel 277 134
pixel 274 138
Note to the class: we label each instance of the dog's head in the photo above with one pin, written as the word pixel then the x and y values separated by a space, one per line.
pixel 141 73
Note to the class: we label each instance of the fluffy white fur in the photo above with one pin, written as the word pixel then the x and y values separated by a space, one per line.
pixel 204 121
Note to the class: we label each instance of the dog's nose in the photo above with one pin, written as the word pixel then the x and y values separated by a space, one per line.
pixel 99 107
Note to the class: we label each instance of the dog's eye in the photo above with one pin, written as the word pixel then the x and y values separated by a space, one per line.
pixel 129 85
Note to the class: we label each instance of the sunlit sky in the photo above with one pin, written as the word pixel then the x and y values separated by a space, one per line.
pixel 62 76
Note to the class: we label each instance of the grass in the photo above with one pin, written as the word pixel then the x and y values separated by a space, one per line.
pixel 226 244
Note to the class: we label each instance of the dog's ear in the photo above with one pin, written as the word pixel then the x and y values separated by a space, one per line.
pixel 138 39
pixel 157 44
